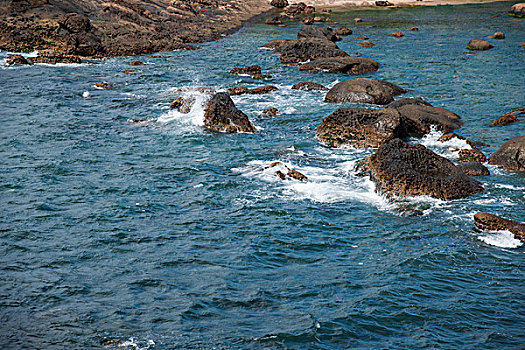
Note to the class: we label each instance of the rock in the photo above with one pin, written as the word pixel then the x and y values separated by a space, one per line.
pixel 358 20
pixel 517 10
pixel 85 44
pixel 222 115
pixel 511 155
pixel 274 44
pixel 309 86
pixel 17 60
pixel 296 175
pixel 262 76
pixel 360 128
pixel 136 63
pixel 270 112
pixel 262 90
pixel 450 136
pixel 473 169
pixel 295 51
pixel 250 70
pixel 400 169
pixel 498 35
pixel 284 171
pixel 479 45
pixel 508 118
pixel 183 104
pixel 363 90
pixel 343 31
pixel 397 34
pixel 366 44
pixel 308 21
pixel 274 20
pixel 471 155
pixel 311 32
pixel 384 3
pixel 279 3
pixel 351 65
pixel 491 222
pixel 414 29
pixel 362 38
pixel 75 23
pixel 420 116
pixel 128 71
pixel 237 90
pixel 104 85
pixel 54 58
pixel 309 10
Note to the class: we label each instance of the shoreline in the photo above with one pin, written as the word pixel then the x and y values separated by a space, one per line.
pixel 370 5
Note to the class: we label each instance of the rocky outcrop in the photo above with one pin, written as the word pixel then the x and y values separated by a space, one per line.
pixel 311 32
pixel 262 90
pixel 301 50
pixel 397 34
pixel 491 222
pixel 479 45
pixel 366 43
pixel 473 169
pixel 270 112
pixel 509 118
pixel 471 155
pixel 237 90
pixel 398 168
pixel 250 70
pixel 17 60
pixel 498 36
pixel 511 155
pixel 362 90
pixel 350 65
pixel 279 3
pixel 183 104
pixel 284 172
pixel 222 115
pixel 54 58
pixel 343 31
pixel 308 85
pixel 517 10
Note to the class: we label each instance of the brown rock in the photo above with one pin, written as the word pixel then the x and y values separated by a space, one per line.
pixel 128 71
pixel 262 90
pixel 511 155
pixel 291 173
pixel 471 155
pixel 273 20
pixel 397 34
pixel 279 3
pixel 75 23
pixel 250 70
pixel 414 29
pixel 308 20
pixel 510 117
pixel 296 175
pixel 366 44
pixel 85 44
pixel 136 63
pixel 362 38
pixel 262 76
pixel 237 90
pixel 309 86
pixel 384 3
pixel 363 90
pixel 473 169
pixel 274 44
pixel 400 169
pixel 479 45
pixel 104 85
pixel 517 10
pixel 358 20
pixel 183 104
pixel 54 58
pixel 295 51
pixel 343 31
pixel 498 35
pixel 350 65
pixel 222 115
pixel 491 222
pixel 270 112
pixel 311 32
pixel 17 60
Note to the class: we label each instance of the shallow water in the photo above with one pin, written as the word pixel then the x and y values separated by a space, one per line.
pixel 164 235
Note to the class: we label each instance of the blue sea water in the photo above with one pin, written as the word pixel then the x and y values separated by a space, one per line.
pixel 163 235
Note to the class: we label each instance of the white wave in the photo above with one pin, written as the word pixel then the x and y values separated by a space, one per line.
pixel 509 187
pixel 448 149
pixel 502 239
pixel 196 114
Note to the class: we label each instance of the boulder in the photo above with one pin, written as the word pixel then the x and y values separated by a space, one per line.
pixel 309 86
pixel 273 20
pixel 498 35
pixel 295 51
pixel 479 45
pixel 262 90
pixel 384 3
pixel 362 38
pixel 17 60
pixel 471 155
pixel 250 70
pixel 358 20
pixel 237 90
pixel 366 43
pixel 473 169
pixel 414 29
pixel 311 32
pixel 360 128
pixel 343 31
pixel 75 23
pixel 511 155
pixel 222 115
pixel 351 65
pixel 270 112
pixel 398 168
pixel 517 10
pixel 491 222
pixel 397 34
pixel 274 44
pixel 508 118
pixel 362 90
pixel 279 3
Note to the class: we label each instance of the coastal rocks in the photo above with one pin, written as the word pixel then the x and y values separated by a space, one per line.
pixel 301 50
pixel 509 117
pixel 261 76
pixel 250 70
pixel 343 31
pixel 498 35
pixel 510 156
pixel 104 85
pixel 237 90
pixel 366 43
pixel 308 21
pixel 351 65
pixel 75 23
pixel 473 169
pixel 279 3
pixel 183 104
pixel 479 45
pixel 274 20
pixel 383 3
pixel 397 34
pixel 262 90
pixel 310 86
pixel 360 128
pixel 17 60
pixel 222 115
pixel 471 155
pixel 517 10
pixel 81 41
pixel 362 90
pixel 400 169
pixel 54 58
pixel 136 63
pixel 270 112
pixel 284 172
pixel 309 32
pixel 491 222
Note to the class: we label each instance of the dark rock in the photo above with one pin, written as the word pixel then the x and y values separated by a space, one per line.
pixel 414 29
pixel 398 168
pixel 17 60
pixel 250 70
pixel 262 76
pixel 471 155
pixel 295 51
pixel 274 44
pixel 358 20
pixel 517 10
pixel 363 90
pixel 343 31
pixel 279 3
pixel 384 3
pixel 311 32
pixel 85 44
pixel 262 90
pixel 366 43
pixel 397 34
pixel 308 21
pixel 362 38
pixel 75 23
pixel 222 115
pixel 309 86
pixel 274 20
pixel 104 86
pixel 237 90
pixel 479 45
pixel 294 174
pixel 183 104
pixel 136 63
pixel 351 65
pixel 498 35
pixel 510 117
pixel 54 58
pixel 309 10
pixel 284 172
pixel 270 112
pixel 473 169
pixel 491 222
pixel 360 128
pixel 511 155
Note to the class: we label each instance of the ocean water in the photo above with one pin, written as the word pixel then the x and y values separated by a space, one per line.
pixel 163 235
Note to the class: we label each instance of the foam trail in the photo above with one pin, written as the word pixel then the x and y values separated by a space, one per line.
pixel 502 239
pixel 448 149
pixel 196 114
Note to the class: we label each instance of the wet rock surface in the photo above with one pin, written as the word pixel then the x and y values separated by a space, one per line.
pixel 479 45
pixel 362 90
pixel 510 156
pixel 301 50
pixel 517 10
pixel 473 169
pixel 491 222
pixel 17 60
pixel 310 86
pixel 311 32
pixel 509 118
pixel 222 115
pixel 350 65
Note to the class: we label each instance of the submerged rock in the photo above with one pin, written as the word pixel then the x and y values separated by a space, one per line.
pixel 136 63
pixel 270 112
pixel 183 104
pixel 491 222
pixel 511 155
pixel 400 169
pixel 273 20
pixel 473 169
pixel 479 45
pixel 285 172
pixel 54 58
pixel 262 90
pixel 261 76
pixel 104 85
pixel 351 65
pixel 509 118
pixel 222 115
pixel 366 43
pixel 397 34
pixel 250 70
pixel 308 85
pixel 237 90
pixel 362 90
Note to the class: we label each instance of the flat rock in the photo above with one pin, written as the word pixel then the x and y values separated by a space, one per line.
pixel 366 43
pixel 54 58
pixel 17 60
pixel 308 85
pixel 362 90
pixel 491 222
pixel 479 45
pixel 237 90
pixel 222 115
pixel 343 31
pixel 398 168
pixel 509 118
pixel 262 90
pixel 351 65
pixel 250 70
pixel 301 50
pixel 473 169
pixel 311 32
pixel 511 155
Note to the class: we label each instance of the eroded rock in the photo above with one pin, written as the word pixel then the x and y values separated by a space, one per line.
pixel 17 60
pixel 509 118
pixel 311 32
pixel 343 31
pixel 308 85
pixel 471 155
pixel 517 10
pixel 491 222
pixel 479 45
pixel 222 115
pixel 350 65
pixel 362 90
pixel 473 169
pixel 301 50
pixel 250 70
pixel 510 156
